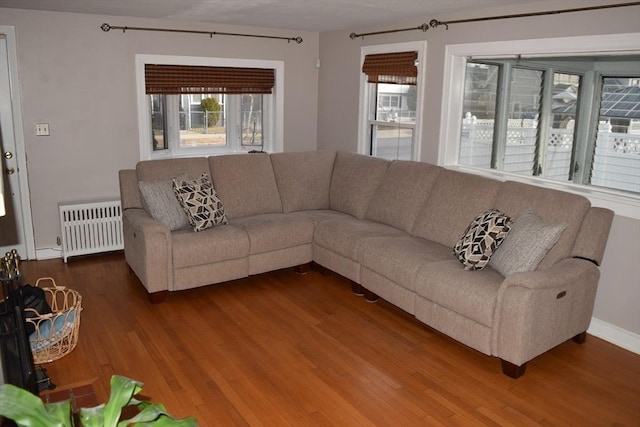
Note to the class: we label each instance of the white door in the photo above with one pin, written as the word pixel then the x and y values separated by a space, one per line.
pixel 15 226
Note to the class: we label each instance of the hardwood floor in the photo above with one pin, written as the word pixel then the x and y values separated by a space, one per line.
pixel 282 349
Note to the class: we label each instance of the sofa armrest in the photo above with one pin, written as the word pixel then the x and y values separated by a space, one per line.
pixel 148 249
pixel 540 309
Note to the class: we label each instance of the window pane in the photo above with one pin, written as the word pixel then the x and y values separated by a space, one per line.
pixel 616 162
pixel 251 112
pixel 522 126
pixel 479 105
pixel 396 103
pixel 391 142
pixel 201 121
pixel 158 122
pixel 557 162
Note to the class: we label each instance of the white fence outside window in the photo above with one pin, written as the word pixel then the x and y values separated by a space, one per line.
pixel 616 163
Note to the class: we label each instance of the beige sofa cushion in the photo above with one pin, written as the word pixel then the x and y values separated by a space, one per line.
pixel 552 206
pixel 402 192
pixel 209 246
pixel 472 294
pixel 303 179
pixel 272 232
pixel 355 180
pixel 245 184
pixel 399 258
pixel 344 236
pixel 456 199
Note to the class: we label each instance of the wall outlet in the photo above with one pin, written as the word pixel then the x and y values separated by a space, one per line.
pixel 42 129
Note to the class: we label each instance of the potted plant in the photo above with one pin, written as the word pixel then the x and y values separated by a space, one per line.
pixel 28 410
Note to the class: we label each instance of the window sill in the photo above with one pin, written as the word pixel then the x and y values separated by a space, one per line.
pixel 623 204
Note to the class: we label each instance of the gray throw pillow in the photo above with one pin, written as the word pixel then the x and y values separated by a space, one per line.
pixel 527 244
pixel 162 204
pixel 482 237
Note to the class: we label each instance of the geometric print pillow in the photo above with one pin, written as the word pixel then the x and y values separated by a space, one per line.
pixel 200 202
pixel 481 238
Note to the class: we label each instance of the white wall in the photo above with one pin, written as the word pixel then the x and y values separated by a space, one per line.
pixel 81 81
pixel 618 299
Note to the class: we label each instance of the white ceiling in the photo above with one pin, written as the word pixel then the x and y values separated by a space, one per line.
pixel 304 15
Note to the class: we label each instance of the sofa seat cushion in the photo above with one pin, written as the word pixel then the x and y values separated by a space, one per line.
pixel 399 258
pixel 344 236
pixel 270 232
pixel 472 294
pixel 321 215
pixel 212 245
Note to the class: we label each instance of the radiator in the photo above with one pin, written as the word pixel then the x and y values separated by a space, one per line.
pixel 90 227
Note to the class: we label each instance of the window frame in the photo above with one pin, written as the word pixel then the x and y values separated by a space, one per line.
pixel 621 203
pixel 274 115
pixel 367 96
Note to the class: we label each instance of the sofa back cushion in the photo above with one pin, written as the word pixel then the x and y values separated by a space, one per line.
pixel 552 206
pixel 245 184
pixel 355 179
pixel 402 193
pixel 456 199
pixel 304 179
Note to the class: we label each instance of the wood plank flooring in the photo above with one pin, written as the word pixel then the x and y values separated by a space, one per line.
pixel 282 349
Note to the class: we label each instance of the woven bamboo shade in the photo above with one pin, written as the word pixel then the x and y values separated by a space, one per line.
pixel 395 67
pixel 184 79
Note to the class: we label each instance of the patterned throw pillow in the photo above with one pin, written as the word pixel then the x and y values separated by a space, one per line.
pixel 200 202
pixel 481 238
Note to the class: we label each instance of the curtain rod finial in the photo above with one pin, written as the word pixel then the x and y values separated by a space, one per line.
pixel 105 27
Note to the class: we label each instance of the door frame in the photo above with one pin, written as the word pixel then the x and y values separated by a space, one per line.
pixel 16 111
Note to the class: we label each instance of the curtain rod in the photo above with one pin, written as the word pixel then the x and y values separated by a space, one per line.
pixel 434 23
pixel 106 27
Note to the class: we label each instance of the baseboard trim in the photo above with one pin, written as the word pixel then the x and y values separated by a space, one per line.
pixel 615 335
pixel 48 253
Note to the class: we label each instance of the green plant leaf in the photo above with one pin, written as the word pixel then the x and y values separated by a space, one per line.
pixel 166 421
pixel 122 391
pixel 92 417
pixel 27 410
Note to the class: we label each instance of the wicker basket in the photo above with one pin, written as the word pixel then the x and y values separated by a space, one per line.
pixel 56 333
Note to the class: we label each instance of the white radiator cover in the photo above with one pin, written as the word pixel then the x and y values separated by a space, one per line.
pixel 90 227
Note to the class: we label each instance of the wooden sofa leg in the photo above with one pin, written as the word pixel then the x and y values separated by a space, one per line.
pixel 303 268
pixel 357 289
pixel 580 338
pixel 323 270
pixel 370 296
pixel 157 297
pixel 511 370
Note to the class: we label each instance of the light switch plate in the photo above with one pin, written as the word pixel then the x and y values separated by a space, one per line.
pixel 42 129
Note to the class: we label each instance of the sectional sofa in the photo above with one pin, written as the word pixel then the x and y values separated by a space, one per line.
pixel 391 228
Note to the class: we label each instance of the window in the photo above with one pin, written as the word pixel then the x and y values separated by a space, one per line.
pixel 202 106
pixel 520 117
pixel 391 86
pixel 562 113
